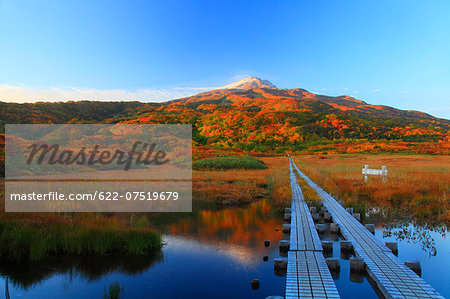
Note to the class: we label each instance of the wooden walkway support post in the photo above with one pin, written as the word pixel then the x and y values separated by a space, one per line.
pixel 393 246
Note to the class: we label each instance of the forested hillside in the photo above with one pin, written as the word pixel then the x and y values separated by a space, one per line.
pixel 262 120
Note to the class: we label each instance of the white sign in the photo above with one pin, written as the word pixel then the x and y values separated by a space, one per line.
pixel 367 171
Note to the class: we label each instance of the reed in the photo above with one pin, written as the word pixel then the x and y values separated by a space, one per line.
pixel 280 188
pixel 114 291
pixel 416 185
pixel 29 239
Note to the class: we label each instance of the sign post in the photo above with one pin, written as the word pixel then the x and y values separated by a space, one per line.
pixel 366 171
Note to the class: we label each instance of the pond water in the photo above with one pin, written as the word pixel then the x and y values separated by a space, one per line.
pixel 212 253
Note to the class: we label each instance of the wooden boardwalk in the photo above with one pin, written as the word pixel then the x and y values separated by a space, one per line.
pixel 392 277
pixel 307 272
pixel 308 276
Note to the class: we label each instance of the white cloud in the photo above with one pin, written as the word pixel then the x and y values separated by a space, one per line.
pixel 22 94
pixel 376 90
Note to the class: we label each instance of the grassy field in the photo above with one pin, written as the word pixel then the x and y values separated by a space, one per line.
pixel 417 185
pixel 237 186
pixel 32 236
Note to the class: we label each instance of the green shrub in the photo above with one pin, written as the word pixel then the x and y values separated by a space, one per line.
pixel 229 162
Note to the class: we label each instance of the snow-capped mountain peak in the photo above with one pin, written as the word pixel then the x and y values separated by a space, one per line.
pixel 249 83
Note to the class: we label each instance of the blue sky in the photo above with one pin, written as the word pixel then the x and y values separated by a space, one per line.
pixel 383 52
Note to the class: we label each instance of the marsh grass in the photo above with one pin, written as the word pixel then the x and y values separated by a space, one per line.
pixel 138 220
pixel 280 190
pixel 114 291
pixel 239 186
pixel 34 237
pixel 416 185
pixel 232 192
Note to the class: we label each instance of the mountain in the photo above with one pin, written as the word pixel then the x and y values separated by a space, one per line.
pixel 249 83
pixel 263 118
pixel 297 100
pixel 271 118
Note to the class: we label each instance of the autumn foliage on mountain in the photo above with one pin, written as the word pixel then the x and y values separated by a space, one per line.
pixel 262 120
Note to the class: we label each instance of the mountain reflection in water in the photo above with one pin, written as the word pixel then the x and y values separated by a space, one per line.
pixel 237 232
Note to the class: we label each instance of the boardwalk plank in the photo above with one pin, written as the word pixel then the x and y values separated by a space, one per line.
pixel 392 277
pixel 307 274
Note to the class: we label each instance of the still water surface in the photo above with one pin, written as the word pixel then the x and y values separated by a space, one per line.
pixel 213 253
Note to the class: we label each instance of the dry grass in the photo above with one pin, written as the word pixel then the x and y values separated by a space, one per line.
pixel 230 187
pixel 418 185
pixel 280 188
pixel 258 175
